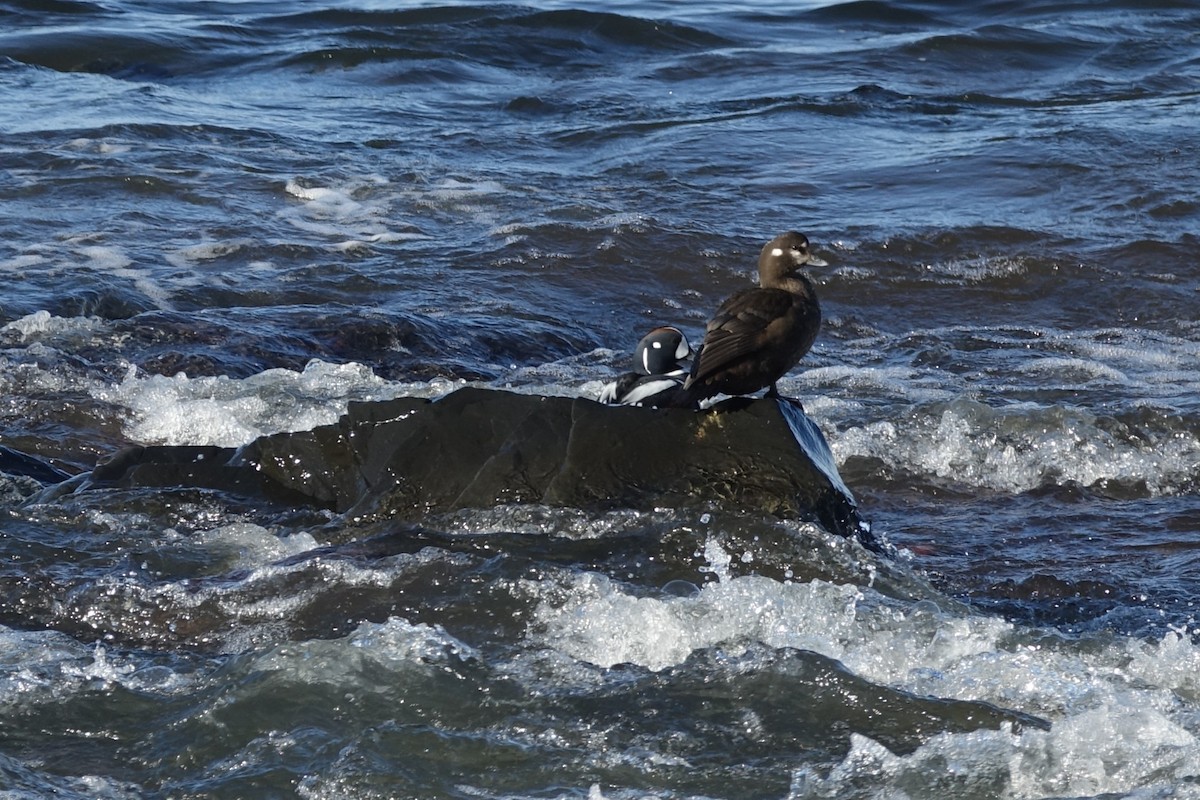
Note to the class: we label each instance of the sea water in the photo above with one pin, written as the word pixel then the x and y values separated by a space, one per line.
pixel 229 219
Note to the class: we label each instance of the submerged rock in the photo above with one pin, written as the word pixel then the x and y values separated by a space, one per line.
pixel 15 463
pixel 476 448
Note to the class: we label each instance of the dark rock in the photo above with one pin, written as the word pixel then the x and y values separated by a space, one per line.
pixel 14 462
pixel 800 699
pixel 476 448
pixel 193 467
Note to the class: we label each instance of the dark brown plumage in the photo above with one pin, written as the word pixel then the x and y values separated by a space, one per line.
pixel 758 334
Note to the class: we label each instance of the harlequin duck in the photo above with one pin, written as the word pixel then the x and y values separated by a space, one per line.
pixel 758 334
pixel 657 374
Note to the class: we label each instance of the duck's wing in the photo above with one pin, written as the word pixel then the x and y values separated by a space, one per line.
pixel 613 391
pixel 632 389
pixel 650 390
pixel 736 329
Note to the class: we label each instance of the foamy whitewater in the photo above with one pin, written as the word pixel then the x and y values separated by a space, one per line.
pixel 226 221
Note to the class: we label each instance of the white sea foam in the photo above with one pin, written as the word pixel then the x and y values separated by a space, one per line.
pixel 461 193
pixel 977 270
pixel 1018 448
pixel 87 252
pixel 1084 371
pixel 23 379
pixel 603 625
pixel 580 375
pixel 1125 751
pixel 23 262
pixel 116 262
pixel 102 146
pixel 1097 364
pixel 893 383
pixel 30 661
pixel 185 258
pixel 1118 723
pixel 597 621
pixel 397 641
pixel 230 412
pixel 395 645
pixel 246 545
pixel 46 666
pixel 41 325
pixel 250 609
pixel 352 215
pixel 478 201
pixel 30 781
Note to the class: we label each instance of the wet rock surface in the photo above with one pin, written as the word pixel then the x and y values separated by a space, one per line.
pixel 476 448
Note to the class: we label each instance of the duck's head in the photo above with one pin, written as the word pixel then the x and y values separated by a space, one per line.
pixel 660 351
pixel 785 255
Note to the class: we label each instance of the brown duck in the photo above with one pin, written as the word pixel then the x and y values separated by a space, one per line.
pixel 758 334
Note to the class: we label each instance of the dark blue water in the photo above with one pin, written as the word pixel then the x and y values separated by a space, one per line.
pixel 225 219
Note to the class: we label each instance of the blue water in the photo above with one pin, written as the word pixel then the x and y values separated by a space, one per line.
pixel 225 219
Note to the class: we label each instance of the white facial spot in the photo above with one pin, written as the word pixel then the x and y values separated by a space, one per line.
pixel 657 345
pixel 777 252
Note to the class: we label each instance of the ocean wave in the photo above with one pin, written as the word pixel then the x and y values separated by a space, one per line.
pixel 1020 448
pixel 38 10
pixel 228 413
pixel 444 41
